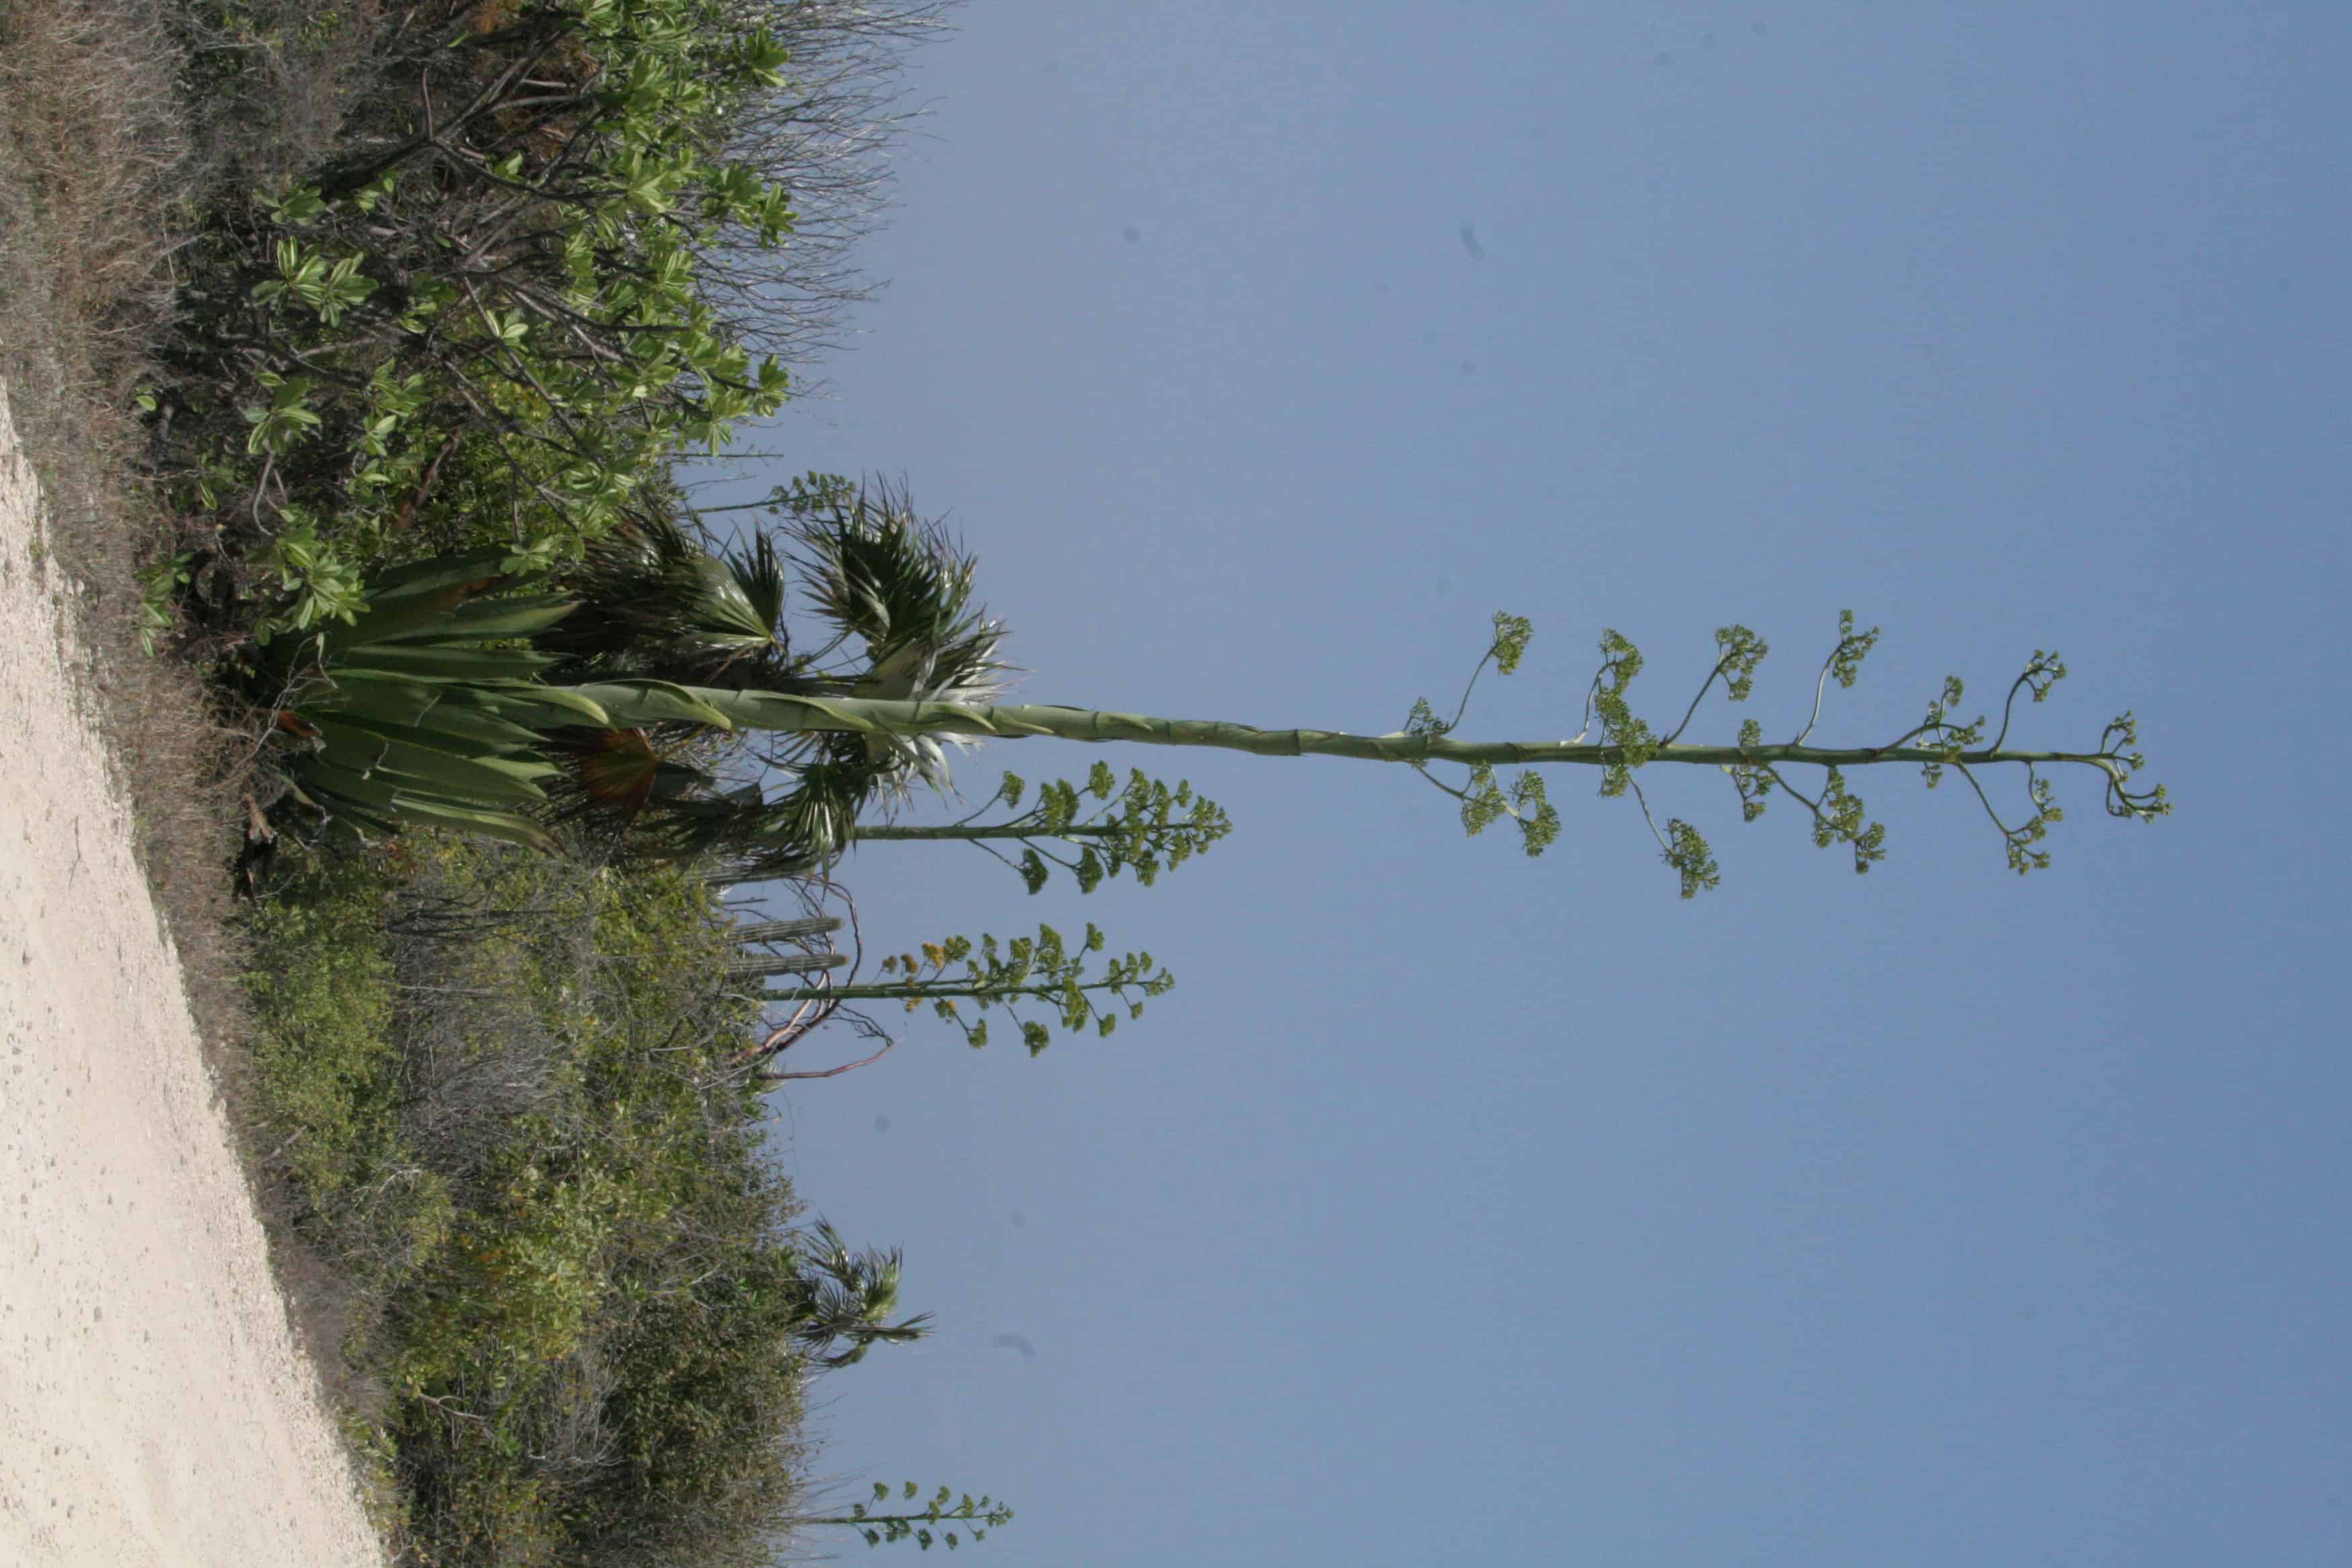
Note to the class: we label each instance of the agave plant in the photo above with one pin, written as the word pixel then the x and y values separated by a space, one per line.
pixel 424 710
pixel 437 705
pixel 464 698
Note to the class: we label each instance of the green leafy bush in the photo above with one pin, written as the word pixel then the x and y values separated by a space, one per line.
pixel 322 992
pixel 586 1293
pixel 542 253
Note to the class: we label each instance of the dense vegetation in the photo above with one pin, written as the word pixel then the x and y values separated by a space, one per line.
pixel 541 252
pixel 412 278
pixel 500 1086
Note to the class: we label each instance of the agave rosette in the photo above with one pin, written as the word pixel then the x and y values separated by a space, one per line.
pixel 428 707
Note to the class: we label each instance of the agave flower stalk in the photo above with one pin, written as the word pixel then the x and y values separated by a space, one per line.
pixel 1044 969
pixel 885 991
pixel 674 645
pixel 1624 745
pixel 1144 827
pixel 1015 722
pixel 978 1515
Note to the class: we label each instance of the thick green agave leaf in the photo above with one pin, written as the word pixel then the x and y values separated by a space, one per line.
pixel 449 718
pixel 445 663
pixel 431 622
pixel 516 617
pixel 380 804
pixel 384 623
pixel 436 731
pixel 478 819
pixel 329 783
pixel 383 794
pixel 429 773
pixel 407 598
pixel 471 778
pixel 632 702
pixel 476 571
pixel 521 702
pixel 394 699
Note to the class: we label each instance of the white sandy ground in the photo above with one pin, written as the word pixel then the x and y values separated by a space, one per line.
pixel 152 1407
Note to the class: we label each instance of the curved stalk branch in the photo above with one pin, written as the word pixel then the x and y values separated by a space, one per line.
pixel 1643 801
pixel 1693 709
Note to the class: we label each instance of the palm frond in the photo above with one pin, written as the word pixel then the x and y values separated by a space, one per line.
pixel 882 575
pixel 655 603
pixel 759 575
pixel 846 1296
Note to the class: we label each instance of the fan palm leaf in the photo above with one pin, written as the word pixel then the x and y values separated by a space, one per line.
pixel 880 574
pixel 847 1295
pixel 657 604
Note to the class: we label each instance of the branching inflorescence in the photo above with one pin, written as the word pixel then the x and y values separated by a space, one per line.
pixel 1483 802
pixel 1044 969
pixel 1143 827
pixel 1626 744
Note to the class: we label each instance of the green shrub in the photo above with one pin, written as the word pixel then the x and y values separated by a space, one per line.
pixel 582 1275
pixel 322 989
pixel 497 1084
pixel 498 320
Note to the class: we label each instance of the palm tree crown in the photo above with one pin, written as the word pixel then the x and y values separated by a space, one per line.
pixel 847 1295
pixel 657 605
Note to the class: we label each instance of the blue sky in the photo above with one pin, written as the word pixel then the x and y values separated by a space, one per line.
pixel 1462 1208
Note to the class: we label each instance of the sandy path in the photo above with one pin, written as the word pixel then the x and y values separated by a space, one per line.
pixel 153 1409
